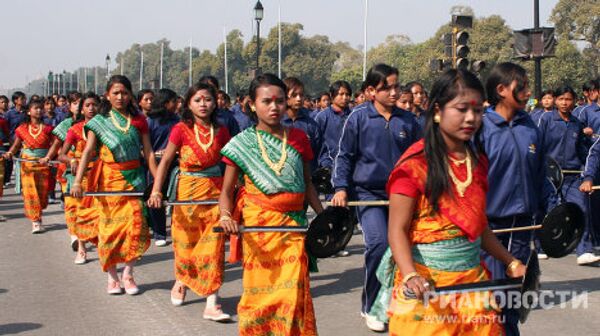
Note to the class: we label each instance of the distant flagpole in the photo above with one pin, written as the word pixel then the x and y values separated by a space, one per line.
pixel 85 77
pixel 365 42
pixel 162 47
pixel 142 70
pixel 225 59
pixel 79 80
pixel 190 69
pixel 279 40
pixel 96 79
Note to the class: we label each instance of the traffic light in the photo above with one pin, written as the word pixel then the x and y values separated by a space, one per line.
pixel 461 50
pixel 448 40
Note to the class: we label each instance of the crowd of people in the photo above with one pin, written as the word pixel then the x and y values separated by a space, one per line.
pixel 455 162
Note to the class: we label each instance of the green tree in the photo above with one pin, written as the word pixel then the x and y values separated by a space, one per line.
pixel 579 20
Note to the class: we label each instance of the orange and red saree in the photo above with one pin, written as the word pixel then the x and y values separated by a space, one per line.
pixel 446 250
pixel 85 212
pixel 70 203
pixel 123 234
pixel 199 252
pixel 33 177
pixel 276 299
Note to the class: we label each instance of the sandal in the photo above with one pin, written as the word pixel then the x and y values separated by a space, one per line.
pixel 178 293
pixel 216 314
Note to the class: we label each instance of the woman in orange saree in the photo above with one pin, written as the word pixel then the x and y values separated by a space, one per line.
pixel 276 296
pixel 85 214
pixel 437 219
pixel 120 132
pixel 35 139
pixel 199 252
pixel 62 176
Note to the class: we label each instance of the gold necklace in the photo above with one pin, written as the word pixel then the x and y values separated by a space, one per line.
pixel 116 122
pixel 275 167
pixel 37 133
pixel 204 146
pixel 461 186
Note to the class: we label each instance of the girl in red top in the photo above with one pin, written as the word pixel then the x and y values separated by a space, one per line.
pixel 199 252
pixel 35 138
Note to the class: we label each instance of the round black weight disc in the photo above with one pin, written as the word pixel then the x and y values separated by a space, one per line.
pixel 329 232
pixel 562 230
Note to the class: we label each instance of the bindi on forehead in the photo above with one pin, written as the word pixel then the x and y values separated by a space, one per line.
pixel 274 97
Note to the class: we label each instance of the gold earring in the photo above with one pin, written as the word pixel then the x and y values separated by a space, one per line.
pixel 253 108
pixel 437 118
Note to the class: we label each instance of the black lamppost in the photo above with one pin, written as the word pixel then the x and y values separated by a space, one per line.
pixel 107 66
pixel 258 16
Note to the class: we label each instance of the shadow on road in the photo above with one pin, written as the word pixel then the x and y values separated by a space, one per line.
pixel 345 282
pixel 3 290
pixel 16 328
pixel 157 257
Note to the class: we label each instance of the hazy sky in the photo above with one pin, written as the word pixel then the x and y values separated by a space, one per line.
pixel 43 35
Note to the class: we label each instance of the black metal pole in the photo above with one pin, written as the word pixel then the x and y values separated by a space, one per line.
pixel 257 45
pixel 537 59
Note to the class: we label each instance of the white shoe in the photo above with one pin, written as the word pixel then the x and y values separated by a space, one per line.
pixel 160 242
pixel 81 258
pixel 373 323
pixel 216 314
pixel 542 256
pixel 343 253
pixel 587 258
pixel 37 227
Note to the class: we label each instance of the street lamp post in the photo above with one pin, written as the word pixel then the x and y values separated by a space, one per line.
pixel 258 16
pixel 64 80
pixel 107 66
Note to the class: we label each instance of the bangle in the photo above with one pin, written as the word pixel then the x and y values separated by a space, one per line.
pixel 409 276
pixel 73 161
pixel 225 218
pixel 227 212
pixel 513 265
pixel 75 184
pixel 156 193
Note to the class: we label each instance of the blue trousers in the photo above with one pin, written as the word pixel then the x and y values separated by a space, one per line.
pixel 570 192
pixel 519 245
pixel 594 212
pixel 374 222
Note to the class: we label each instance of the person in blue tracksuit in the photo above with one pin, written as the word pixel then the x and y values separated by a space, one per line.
pixel 418 96
pixel 224 116
pixel 547 106
pixel 590 117
pixel 517 185
pixel 331 121
pixel 161 119
pixel 241 113
pixel 299 117
pixel 564 141
pixel 587 88
pixel 373 138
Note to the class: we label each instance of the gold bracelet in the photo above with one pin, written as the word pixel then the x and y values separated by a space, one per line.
pixel 224 218
pixel 227 212
pixel 73 161
pixel 409 276
pixel 156 193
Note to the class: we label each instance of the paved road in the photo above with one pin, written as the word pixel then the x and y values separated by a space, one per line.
pixel 43 293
